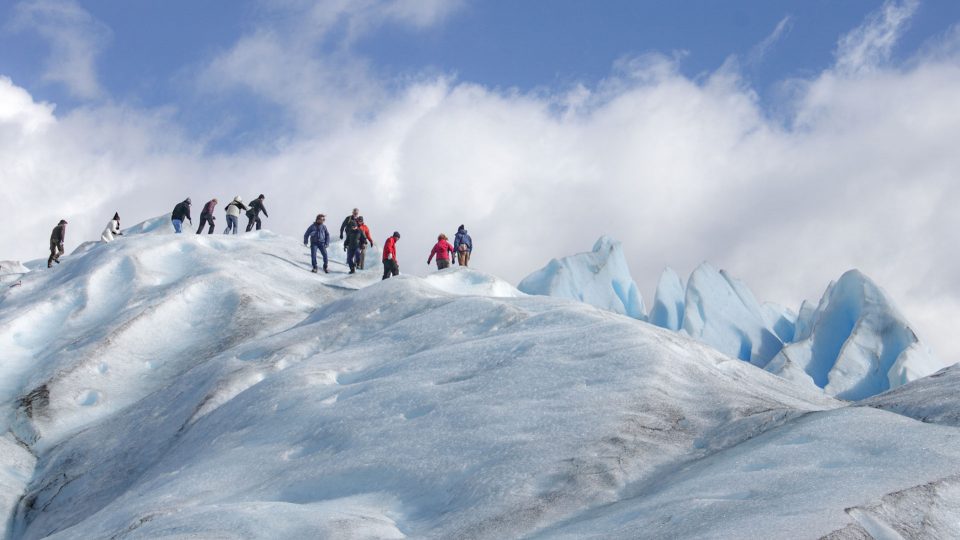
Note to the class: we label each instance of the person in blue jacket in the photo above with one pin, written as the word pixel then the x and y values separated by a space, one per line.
pixel 319 239
pixel 463 246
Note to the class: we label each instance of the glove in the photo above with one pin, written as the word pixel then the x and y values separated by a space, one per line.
pixel 341 236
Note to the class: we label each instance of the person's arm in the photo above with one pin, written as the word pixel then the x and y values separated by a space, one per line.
pixel 343 226
pixel 264 208
pixel 432 252
pixel 307 234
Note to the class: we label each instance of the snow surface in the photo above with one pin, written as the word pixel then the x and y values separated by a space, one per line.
pixel 211 386
pixel 858 345
pixel 600 278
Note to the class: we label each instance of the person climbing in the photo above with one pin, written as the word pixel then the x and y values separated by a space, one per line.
pixel 443 250
pixel 206 216
pixel 113 229
pixel 180 212
pixel 57 238
pixel 352 218
pixel 462 246
pixel 365 238
pixel 253 212
pixel 352 245
pixel 319 238
pixel 390 265
pixel 233 214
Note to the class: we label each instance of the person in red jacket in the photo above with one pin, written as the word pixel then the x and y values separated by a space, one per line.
pixel 365 238
pixel 443 250
pixel 390 265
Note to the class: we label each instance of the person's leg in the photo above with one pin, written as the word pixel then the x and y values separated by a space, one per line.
pixel 323 251
pixel 53 254
pixel 395 268
pixel 212 221
pixel 313 256
pixel 466 259
pixel 177 226
pixel 259 223
pixel 362 257
pixel 351 258
pixel 443 264
pixel 386 269
pixel 249 223
pixel 203 221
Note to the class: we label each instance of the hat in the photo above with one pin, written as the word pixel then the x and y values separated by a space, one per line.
pixel 116 216
pixel 396 235
pixel 262 196
pixel 62 222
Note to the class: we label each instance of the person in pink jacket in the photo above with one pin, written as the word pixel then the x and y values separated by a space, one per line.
pixel 443 250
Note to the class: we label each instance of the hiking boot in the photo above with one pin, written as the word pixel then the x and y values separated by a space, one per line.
pixel 325 271
pixel 314 270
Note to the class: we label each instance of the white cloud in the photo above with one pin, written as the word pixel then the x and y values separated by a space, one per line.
pixel 680 170
pixel 76 39
pixel 760 50
pixel 869 46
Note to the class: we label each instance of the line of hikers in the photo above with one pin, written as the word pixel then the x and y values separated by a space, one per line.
pixel 356 236
pixel 353 231
pixel 181 213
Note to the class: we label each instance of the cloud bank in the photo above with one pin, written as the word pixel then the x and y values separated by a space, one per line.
pixel 860 173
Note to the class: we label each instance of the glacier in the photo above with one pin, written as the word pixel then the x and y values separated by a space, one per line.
pixel 599 277
pixel 211 386
pixel 854 344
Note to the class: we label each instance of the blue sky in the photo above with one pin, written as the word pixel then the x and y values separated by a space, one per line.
pixel 152 51
pixel 786 142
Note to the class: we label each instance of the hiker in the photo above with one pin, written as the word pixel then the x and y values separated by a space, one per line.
pixel 352 218
pixel 462 246
pixel 352 245
pixel 319 240
pixel 233 215
pixel 253 212
pixel 113 229
pixel 443 250
pixel 180 212
pixel 206 216
pixel 390 265
pixel 57 237
pixel 365 238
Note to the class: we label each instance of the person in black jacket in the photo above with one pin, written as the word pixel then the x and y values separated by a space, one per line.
pixel 57 237
pixel 253 212
pixel 181 212
pixel 352 218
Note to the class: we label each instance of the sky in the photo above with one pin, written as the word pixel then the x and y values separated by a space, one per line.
pixel 786 142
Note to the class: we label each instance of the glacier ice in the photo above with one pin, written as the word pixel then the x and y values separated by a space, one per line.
pixel 858 343
pixel 723 313
pixel 210 386
pixel 600 278
pixel 668 302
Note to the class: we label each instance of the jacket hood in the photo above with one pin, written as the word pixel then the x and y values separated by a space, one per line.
pixel 237 199
pixel 116 216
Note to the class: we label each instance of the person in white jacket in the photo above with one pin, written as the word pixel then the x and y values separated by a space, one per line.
pixel 233 214
pixel 113 229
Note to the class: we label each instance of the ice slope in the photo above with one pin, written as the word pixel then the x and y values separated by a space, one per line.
pixel 723 313
pixel 334 406
pixel 858 344
pixel 930 399
pixel 600 278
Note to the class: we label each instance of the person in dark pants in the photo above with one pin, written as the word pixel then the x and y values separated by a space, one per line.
pixel 206 216
pixel 319 239
pixel 352 245
pixel 253 212
pixel 390 265
pixel 180 213
pixel 352 218
pixel 443 251
pixel 57 238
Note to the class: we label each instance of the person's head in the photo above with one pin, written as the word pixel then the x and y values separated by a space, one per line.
pixel 62 222
pixel 187 200
pixel 441 237
pixel 238 199
pixel 116 216
pixel 360 219
pixel 460 228
pixel 396 235
pixel 262 197
pixel 215 201
pixel 356 212
pixel 320 218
